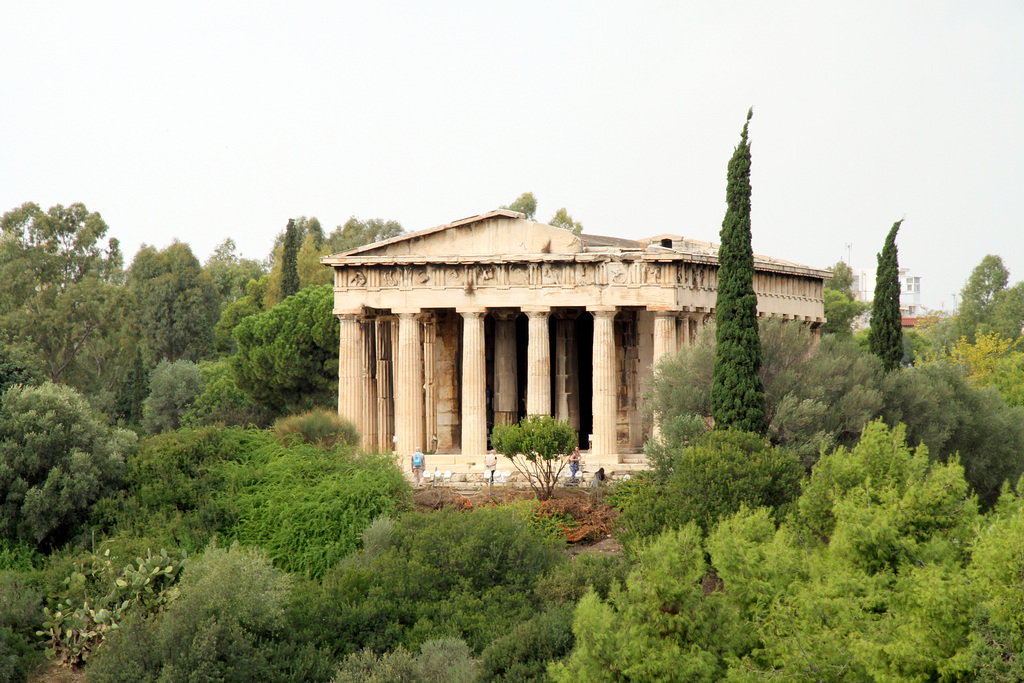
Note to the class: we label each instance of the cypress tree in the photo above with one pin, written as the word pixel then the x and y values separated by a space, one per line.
pixel 886 334
pixel 737 394
pixel 290 261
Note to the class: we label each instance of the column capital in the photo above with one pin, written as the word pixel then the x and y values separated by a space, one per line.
pixel 348 312
pixel 504 313
pixel 471 312
pixel 603 311
pixel 537 311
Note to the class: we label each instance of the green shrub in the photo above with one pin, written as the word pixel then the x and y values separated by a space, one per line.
pixel 221 401
pixel 21 614
pixel 445 660
pixel 707 481
pixel 569 581
pixel 57 457
pixel 172 389
pixel 319 427
pixel 306 506
pixel 227 625
pixel 523 654
pixel 468 575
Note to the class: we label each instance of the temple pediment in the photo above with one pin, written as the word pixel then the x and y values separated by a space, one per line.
pixel 499 232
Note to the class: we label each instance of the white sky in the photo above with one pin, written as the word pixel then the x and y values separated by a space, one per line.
pixel 204 120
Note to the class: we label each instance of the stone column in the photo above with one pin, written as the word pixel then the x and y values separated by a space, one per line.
pixel 385 384
pixel 474 384
pixel 567 378
pixel 369 431
pixel 506 368
pixel 538 379
pixel 605 391
pixel 409 387
pixel 429 386
pixel 350 370
pixel 664 344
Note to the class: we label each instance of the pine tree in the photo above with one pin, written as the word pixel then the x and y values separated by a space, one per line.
pixel 290 261
pixel 886 334
pixel 737 394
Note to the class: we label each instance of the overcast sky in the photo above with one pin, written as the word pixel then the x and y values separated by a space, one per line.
pixel 206 120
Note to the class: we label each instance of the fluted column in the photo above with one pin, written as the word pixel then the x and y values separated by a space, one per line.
pixel 538 379
pixel 350 370
pixel 664 345
pixel 409 386
pixel 567 384
pixel 429 384
pixel 474 384
pixel 370 439
pixel 605 427
pixel 385 383
pixel 506 368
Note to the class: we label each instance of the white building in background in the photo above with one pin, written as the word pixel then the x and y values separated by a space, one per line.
pixel 910 292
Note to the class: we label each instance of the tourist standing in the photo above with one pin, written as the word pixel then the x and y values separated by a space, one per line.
pixel 419 461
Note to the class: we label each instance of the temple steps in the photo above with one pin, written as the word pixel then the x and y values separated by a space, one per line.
pixel 467 471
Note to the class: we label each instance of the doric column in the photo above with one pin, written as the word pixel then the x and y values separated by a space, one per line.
pixel 567 379
pixel 538 379
pixel 369 430
pixel 506 367
pixel 664 343
pixel 409 386
pixel 429 386
pixel 474 384
pixel 385 384
pixel 605 441
pixel 350 370
pixel 664 334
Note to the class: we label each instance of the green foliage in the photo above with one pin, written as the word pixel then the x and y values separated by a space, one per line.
pixel 60 294
pixel 737 394
pixel 886 334
pixel 525 204
pixel 305 505
pixel 18 366
pixel 290 261
pixel 21 615
pixel 173 388
pixel 227 625
pixel 221 401
pixel 177 303
pixel 661 625
pixel 57 457
pixel 319 427
pixel 539 447
pixel 523 654
pixel 706 482
pixel 181 487
pixel 569 581
pixel 130 402
pixel 230 273
pixel 841 309
pixel 357 233
pixel 443 660
pixel 467 575
pixel 288 356
pixel 97 597
pixel 563 220
pixel 250 304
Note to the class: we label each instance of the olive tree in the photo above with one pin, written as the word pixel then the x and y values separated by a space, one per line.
pixel 57 457
pixel 539 448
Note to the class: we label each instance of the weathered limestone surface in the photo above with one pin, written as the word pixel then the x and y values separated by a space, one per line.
pixel 435 326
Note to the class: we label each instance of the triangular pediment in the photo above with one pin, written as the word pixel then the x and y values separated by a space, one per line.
pixel 496 233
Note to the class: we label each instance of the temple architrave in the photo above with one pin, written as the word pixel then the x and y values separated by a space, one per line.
pixel 446 332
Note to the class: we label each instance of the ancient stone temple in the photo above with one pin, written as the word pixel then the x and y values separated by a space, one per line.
pixel 448 331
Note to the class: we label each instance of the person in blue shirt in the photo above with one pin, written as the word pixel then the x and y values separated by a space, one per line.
pixel 419 461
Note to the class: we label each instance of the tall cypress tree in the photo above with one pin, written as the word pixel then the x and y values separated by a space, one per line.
pixel 737 394
pixel 886 334
pixel 290 261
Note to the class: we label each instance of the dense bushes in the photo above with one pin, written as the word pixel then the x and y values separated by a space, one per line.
pixel 468 575
pixel 57 457
pixel 706 481
pixel 227 625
